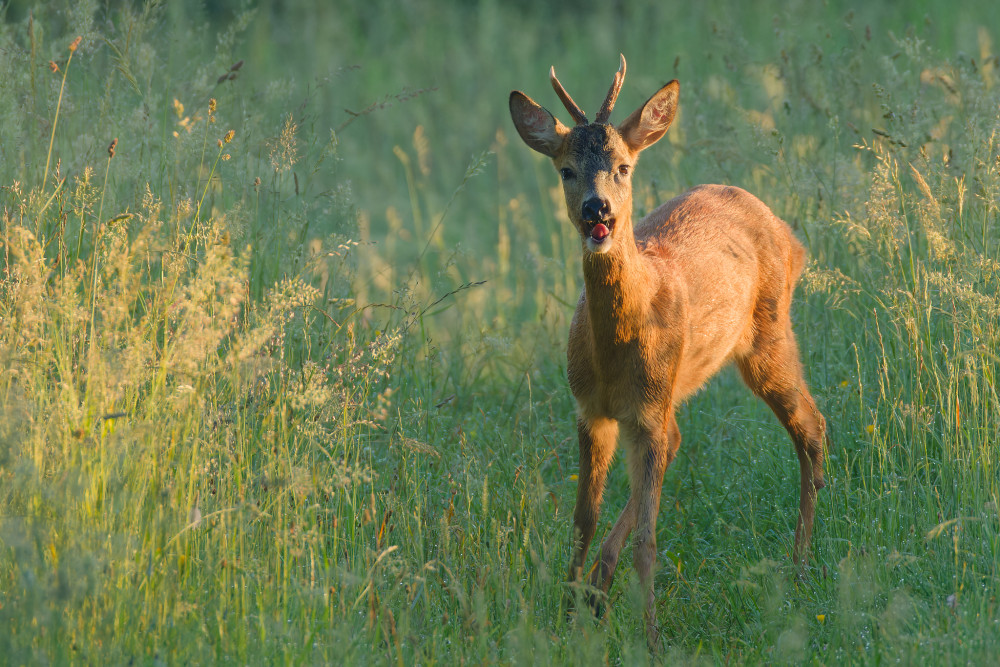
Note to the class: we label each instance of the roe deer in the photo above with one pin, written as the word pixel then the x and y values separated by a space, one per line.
pixel 704 279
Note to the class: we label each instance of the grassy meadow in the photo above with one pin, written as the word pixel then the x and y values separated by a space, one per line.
pixel 283 307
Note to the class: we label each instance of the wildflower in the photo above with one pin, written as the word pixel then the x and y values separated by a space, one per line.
pixel 53 66
pixel 229 135
pixel 573 478
pixel 75 44
pixel 870 429
pixel 212 105
pixel 111 148
pixel 843 383
pixel 821 618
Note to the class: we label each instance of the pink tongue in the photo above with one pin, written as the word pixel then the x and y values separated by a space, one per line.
pixel 600 232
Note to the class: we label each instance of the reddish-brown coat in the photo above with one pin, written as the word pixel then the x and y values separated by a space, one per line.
pixel 705 279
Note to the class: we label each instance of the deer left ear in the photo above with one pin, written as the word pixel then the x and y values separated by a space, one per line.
pixel 539 128
pixel 650 121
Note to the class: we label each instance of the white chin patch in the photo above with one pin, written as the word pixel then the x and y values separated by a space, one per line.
pixel 599 247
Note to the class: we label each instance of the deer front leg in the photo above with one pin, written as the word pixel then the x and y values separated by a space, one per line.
pixel 652 452
pixel 604 571
pixel 598 439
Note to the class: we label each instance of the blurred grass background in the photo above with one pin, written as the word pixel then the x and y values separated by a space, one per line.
pixel 300 395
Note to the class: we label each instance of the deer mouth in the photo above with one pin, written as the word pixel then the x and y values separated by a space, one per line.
pixel 600 231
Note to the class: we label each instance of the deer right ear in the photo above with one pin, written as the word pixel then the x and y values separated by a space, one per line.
pixel 540 129
pixel 650 121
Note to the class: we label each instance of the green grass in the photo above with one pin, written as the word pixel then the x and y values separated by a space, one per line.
pixel 300 396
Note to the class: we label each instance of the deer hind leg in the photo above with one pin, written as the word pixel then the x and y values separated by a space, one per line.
pixel 598 439
pixel 651 453
pixel 773 372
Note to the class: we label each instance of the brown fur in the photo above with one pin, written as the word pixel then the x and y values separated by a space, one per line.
pixel 705 279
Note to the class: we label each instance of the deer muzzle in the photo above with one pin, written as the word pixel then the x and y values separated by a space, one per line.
pixel 596 216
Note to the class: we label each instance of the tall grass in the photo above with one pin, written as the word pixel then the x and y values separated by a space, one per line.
pixel 282 324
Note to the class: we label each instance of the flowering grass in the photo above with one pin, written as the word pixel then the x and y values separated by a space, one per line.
pixel 282 327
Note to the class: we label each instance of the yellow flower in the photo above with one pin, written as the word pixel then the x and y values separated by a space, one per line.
pixel 870 429
pixel 574 477
pixel 844 383
pixel 821 618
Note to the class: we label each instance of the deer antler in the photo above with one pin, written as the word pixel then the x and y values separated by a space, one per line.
pixel 609 101
pixel 571 106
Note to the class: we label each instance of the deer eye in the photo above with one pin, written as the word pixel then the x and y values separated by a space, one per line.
pixel 566 173
pixel 624 169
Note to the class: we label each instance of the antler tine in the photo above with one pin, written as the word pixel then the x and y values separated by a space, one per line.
pixel 616 86
pixel 571 106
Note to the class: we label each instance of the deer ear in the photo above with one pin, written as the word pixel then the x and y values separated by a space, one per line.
pixel 539 128
pixel 650 121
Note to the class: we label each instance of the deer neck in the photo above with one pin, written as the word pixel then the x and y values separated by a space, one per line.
pixel 618 285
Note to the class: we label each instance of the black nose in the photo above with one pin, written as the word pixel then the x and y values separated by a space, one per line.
pixel 596 209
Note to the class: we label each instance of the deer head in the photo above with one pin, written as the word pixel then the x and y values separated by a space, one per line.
pixel 596 159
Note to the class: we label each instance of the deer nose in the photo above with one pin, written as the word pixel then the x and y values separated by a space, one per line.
pixel 596 209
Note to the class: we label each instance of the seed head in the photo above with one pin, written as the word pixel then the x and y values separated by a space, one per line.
pixel 53 66
pixel 220 143
pixel 75 44
pixel 212 104
pixel 111 148
pixel 229 135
